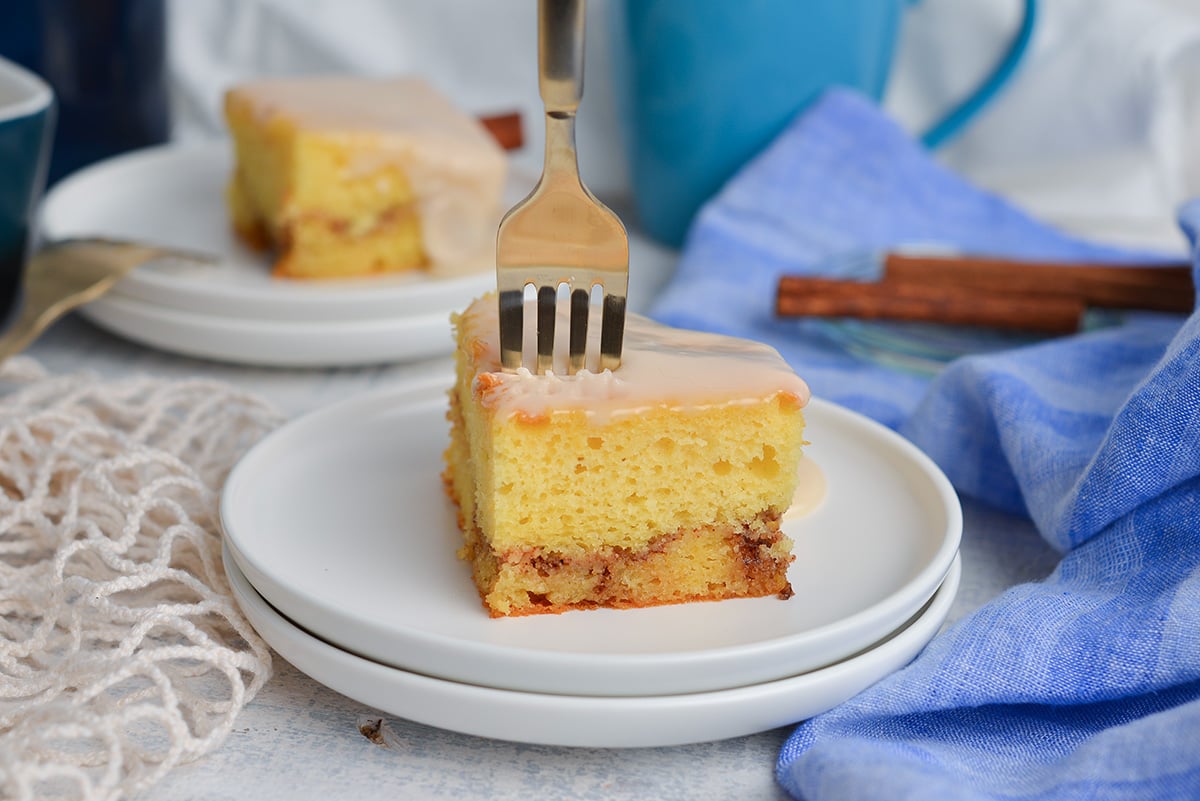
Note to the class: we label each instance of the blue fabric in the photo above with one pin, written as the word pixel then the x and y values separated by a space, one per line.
pixel 1083 685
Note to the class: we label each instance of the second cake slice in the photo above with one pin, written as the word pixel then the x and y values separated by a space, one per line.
pixel 662 482
pixel 347 176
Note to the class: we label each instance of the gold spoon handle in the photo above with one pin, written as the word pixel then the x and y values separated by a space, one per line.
pixel 24 330
pixel 67 274
pixel 41 309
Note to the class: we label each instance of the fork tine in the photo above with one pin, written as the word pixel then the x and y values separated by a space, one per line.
pixel 579 326
pixel 512 327
pixel 612 331
pixel 547 301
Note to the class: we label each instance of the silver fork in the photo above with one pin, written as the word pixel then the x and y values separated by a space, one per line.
pixel 561 235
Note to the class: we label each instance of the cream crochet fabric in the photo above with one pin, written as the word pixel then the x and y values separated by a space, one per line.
pixel 122 653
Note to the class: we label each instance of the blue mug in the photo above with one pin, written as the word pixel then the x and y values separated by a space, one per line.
pixel 106 62
pixel 707 84
pixel 26 128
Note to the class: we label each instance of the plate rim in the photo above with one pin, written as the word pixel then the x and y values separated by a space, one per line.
pixel 262 327
pixel 586 721
pixel 272 343
pixel 318 617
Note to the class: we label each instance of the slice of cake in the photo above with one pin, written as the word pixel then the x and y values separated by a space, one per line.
pixel 354 176
pixel 661 482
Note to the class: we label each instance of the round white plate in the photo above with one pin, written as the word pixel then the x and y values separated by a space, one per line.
pixel 340 521
pixel 175 195
pixel 277 343
pixel 591 721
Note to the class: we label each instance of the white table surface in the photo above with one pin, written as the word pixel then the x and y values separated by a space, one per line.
pixel 298 740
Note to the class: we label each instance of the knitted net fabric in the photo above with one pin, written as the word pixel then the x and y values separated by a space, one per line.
pixel 122 653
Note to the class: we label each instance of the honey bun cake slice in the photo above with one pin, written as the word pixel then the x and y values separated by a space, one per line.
pixel 662 482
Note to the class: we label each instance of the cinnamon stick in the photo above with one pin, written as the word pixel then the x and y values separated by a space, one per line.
pixel 1156 287
pixel 1000 293
pixel 506 129
pixel 920 302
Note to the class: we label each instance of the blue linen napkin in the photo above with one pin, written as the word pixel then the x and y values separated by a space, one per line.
pixel 1083 685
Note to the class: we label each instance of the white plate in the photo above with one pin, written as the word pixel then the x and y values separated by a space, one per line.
pixel 340 521
pixel 277 343
pixel 175 195
pixel 593 722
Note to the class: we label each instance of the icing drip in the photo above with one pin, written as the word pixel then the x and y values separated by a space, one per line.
pixel 810 490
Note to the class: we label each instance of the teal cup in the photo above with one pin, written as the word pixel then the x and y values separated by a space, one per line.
pixel 704 85
pixel 26 128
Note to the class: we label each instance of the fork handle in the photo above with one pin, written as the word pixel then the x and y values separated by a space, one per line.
pixel 560 54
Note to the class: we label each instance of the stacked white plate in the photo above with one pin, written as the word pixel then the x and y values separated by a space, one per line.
pixel 233 310
pixel 340 546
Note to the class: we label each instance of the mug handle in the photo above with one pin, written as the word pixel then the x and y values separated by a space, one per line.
pixel 954 121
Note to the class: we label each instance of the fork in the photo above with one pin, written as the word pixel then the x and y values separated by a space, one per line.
pixel 561 235
pixel 71 272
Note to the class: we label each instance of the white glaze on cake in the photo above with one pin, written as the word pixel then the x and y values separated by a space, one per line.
pixel 455 168
pixel 660 366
